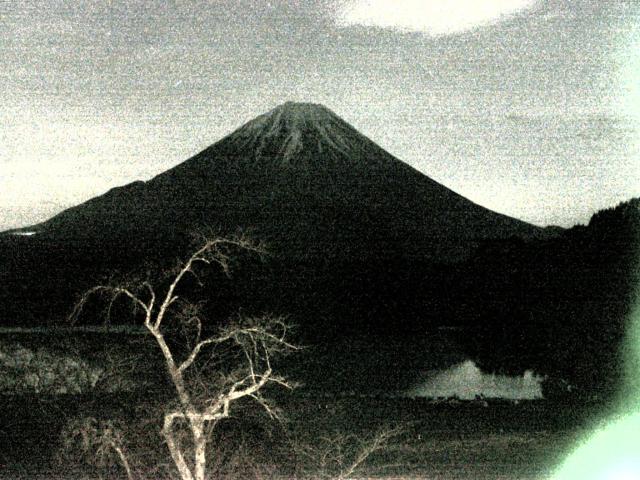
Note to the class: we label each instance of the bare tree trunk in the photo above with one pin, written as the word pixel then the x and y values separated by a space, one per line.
pixel 200 444
pixel 174 449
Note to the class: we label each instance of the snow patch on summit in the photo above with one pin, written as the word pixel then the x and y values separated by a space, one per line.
pixel 291 129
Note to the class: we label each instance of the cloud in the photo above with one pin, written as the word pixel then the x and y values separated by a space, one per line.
pixel 435 17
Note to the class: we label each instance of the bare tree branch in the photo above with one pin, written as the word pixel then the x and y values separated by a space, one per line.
pixel 114 293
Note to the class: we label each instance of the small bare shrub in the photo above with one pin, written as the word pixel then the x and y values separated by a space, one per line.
pixel 96 443
pixel 342 455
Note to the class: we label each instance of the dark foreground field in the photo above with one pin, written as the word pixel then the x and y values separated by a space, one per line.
pixel 52 380
pixel 447 440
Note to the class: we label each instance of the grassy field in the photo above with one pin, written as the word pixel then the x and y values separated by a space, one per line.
pixel 449 440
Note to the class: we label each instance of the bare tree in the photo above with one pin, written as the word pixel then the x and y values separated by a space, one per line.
pixel 101 443
pixel 341 456
pixel 202 403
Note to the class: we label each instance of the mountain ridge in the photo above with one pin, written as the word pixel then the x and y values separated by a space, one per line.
pixel 306 180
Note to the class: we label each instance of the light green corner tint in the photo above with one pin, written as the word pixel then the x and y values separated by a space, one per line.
pixel 612 452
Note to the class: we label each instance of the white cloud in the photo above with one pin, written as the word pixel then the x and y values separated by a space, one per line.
pixel 435 17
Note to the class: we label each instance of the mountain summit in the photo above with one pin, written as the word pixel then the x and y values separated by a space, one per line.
pixel 295 133
pixel 304 180
pixel 299 136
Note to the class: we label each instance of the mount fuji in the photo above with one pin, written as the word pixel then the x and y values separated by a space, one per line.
pixel 306 182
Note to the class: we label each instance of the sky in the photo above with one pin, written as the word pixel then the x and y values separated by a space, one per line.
pixel 528 107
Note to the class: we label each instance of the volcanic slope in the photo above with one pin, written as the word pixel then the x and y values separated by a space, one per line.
pixel 306 182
